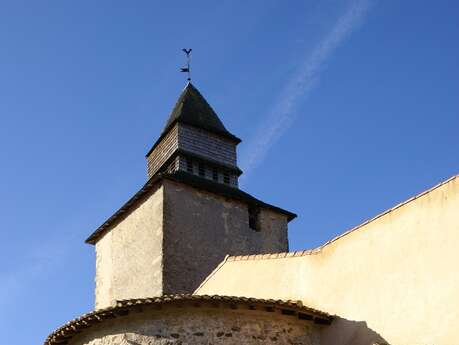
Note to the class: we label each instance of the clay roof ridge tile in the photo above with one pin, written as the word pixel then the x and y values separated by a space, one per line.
pixel 403 203
pixel 279 255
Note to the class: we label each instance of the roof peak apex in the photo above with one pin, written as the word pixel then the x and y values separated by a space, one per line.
pixel 193 109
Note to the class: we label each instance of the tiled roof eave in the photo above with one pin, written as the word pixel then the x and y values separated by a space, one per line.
pixel 190 180
pixel 123 307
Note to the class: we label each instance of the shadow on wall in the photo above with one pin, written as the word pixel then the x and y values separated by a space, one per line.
pixel 348 332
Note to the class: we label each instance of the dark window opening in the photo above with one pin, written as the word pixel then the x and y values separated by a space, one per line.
pixel 254 218
pixel 189 165
pixel 215 174
pixel 202 170
pixel 226 177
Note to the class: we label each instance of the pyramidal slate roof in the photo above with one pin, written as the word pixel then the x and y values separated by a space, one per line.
pixel 192 109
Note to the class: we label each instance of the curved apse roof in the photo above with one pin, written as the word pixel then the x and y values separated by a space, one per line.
pixel 293 308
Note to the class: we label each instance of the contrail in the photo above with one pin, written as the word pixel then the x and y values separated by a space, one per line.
pixel 298 88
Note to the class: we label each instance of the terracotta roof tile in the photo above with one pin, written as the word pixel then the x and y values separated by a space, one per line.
pixel 269 256
pixel 71 328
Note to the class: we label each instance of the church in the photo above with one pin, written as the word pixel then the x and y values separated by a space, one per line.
pixel 192 259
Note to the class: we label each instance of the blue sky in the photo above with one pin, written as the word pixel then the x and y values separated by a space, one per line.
pixel 345 108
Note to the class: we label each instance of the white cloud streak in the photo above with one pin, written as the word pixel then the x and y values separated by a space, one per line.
pixel 299 87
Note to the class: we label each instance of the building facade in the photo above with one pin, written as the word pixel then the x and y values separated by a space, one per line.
pixel 193 259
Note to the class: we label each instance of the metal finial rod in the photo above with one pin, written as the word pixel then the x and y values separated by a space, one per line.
pixel 187 69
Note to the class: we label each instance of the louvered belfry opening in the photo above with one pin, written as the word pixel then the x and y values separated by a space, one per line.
pixel 195 141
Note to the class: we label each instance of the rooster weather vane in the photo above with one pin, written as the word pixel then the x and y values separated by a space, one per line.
pixel 187 69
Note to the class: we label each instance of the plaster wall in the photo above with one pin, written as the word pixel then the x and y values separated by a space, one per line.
pixel 203 326
pixel 201 228
pixel 129 256
pixel 392 280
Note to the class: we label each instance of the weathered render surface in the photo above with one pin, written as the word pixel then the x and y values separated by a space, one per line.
pixel 129 257
pixel 201 326
pixel 174 238
pixel 393 279
pixel 201 228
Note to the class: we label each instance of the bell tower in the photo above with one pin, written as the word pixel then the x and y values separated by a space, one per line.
pixel 188 216
pixel 195 141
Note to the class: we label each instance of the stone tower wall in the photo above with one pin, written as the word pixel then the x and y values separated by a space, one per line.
pixel 129 256
pixel 202 326
pixel 173 239
pixel 201 228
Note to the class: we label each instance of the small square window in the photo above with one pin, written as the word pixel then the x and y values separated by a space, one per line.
pixel 215 174
pixel 254 218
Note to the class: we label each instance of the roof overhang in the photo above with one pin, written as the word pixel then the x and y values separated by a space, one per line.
pixel 190 180
pixel 122 308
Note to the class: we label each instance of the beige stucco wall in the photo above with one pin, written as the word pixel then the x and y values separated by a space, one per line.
pixel 201 228
pixel 203 326
pixel 394 279
pixel 129 256
pixel 174 238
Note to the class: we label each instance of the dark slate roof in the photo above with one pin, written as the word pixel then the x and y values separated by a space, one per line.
pixel 192 109
pixel 122 308
pixel 188 179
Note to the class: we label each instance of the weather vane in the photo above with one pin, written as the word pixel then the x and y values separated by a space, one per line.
pixel 187 69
